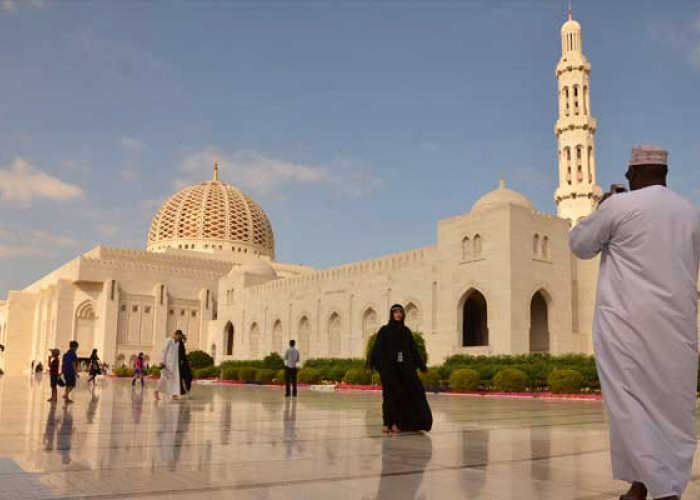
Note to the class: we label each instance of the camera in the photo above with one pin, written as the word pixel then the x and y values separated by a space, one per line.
pixel 618 188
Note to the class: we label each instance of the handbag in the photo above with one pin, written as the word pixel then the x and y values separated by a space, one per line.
pixel 61 381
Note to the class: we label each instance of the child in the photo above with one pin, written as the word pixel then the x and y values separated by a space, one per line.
pixel 54 363
pixel 138 370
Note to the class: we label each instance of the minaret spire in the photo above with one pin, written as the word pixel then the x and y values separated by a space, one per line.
pixel 216 170
pixel 578 194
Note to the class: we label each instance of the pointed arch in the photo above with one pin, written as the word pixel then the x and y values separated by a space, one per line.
pixel 229 334
pixel 370 324
pixel 545 247
pixel 540 305
pixel 478 246
pixel 85 324
pixel 466 248
pixel 536 245
pixel 334 333
pixel 277 336
pixel 254 340
pixel 413 316
pixel 473 309
pixel 304 334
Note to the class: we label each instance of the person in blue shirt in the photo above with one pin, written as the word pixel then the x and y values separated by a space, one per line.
pixel 70 369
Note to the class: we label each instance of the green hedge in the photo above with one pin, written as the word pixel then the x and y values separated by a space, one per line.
pixel 247 373
pixel 273 361
pixel 153 370
pixel 123 371
pixel 431 378
pixel 279 377
pixel 358 376
pixel 565 382
pixel 199 359
pixel 309 376
pixel 208 372
pixel 464 379
pixel 264 375
pixel 229 372
pixel 510 380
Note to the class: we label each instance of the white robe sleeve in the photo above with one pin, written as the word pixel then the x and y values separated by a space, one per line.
pixel 594 232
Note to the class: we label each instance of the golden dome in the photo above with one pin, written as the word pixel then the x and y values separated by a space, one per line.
pixel 210 217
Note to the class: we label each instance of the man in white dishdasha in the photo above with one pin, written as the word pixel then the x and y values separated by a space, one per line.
pixel 645 333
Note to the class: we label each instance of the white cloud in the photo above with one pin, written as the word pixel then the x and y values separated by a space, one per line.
pixel 13 5
pixel 21 183
pixel 131 145
pixel 53 240
pixel 267 176
pixel 681 37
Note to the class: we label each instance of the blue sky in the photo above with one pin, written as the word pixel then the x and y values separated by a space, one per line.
pixel 356 125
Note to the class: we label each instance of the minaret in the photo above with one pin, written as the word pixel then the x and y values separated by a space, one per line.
pixel 578 193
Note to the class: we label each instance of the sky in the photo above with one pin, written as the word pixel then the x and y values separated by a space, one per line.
pixel 355 125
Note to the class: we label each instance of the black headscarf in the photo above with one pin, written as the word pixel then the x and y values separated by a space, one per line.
pixel 394 338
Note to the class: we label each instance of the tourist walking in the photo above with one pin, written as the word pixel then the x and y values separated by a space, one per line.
pixel 291 359
pixel 54 367
pixel 70 369
pixel 185 369
pixel 169 382
pixel 138 370
pixel 645 333
pixel 95 368
pixel 395 356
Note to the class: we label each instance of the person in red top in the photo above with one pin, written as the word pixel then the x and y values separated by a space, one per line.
pixel 54 363
pixel 138 370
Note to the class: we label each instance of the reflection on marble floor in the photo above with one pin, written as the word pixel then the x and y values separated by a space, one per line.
pixel 245 443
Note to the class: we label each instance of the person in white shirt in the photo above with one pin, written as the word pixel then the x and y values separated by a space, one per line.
pixel 645 332
pixel 291 359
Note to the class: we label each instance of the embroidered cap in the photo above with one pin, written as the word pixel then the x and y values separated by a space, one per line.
pixel 646 154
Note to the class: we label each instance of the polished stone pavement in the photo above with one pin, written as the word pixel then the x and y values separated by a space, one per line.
pixel 245 443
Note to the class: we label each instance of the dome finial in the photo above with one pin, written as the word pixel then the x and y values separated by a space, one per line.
pixel 570 10
pixel 216 170
pixel 501 184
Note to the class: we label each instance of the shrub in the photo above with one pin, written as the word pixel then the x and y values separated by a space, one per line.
pixel 510 380
pixel 264 375
pixel 431 378
pixel 273 361
pixel 208 372
pixel 465 379
pixel 337 373
pixel 247 373
pixel 199 359
pixel 153 370
pixel 417 338
pixel 229 373
pixel 565 382
pixel 376 379
pixel 279 378
pixel 123 371
pixel 309 376
pixel 358 376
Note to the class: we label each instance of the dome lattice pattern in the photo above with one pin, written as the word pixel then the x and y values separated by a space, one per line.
pixel 216 211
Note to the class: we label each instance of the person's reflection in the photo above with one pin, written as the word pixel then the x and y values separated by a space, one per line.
pixel 65 435
pixel 290 428
pixel 173 421
pixel 136 405
pixel 92 406
pixel 50 429
pixel 413 450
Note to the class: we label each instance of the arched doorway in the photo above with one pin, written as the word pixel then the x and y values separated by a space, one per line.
pixel 85 319
pixel 475 331
pixel 229 333
pixel 277 337
pixel 334 334
pixel 539 324
pixel 369 326
pixel 305 337
pixel 412 316
pixel 254 340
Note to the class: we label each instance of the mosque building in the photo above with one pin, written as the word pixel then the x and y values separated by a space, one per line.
pixel 500 279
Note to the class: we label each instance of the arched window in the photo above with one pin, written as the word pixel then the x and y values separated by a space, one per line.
pixel 579 164
pixel 277 340
pixel 334 334
pixel 85 324
pixel 568 164
pixel 539 324
pixel 466 248
pixel 576 96
pixel 584 97
pixel 228 330
pixel 566 101
pixel 213 351
pixel 589 162
pixel 413 318
pixel 475 330
pixel 254 340
pixel 369 324
pixel 305 337
pixel 545 247
pixel 536 245
pixel 477 246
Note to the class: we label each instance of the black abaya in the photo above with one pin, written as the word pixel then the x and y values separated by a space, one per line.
pixel 396 358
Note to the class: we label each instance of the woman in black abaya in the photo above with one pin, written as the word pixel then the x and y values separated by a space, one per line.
pixel 395 356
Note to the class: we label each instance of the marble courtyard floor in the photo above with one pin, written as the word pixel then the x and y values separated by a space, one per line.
pixel 245 443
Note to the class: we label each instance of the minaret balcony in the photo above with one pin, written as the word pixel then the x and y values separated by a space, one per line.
pixel 575 122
